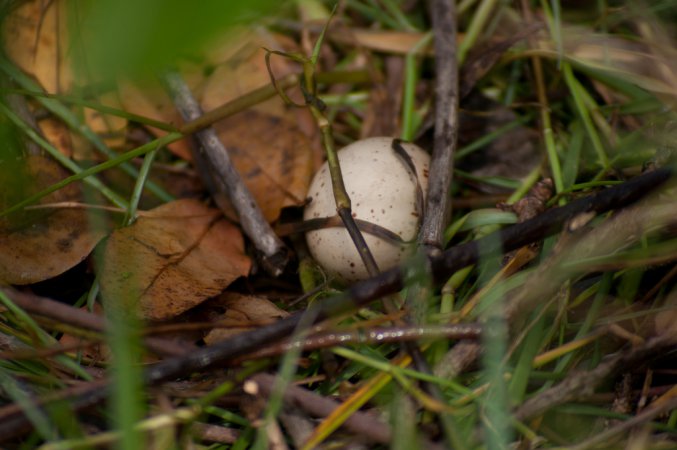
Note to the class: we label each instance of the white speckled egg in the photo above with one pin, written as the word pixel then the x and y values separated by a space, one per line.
pixel 382 190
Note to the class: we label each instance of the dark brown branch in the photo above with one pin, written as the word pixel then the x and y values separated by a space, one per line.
pixel 438 201
pixel 391 281
pixel 253 223
pixel 64 313
pixel 405 333
pixel 318 406
pixel 372 289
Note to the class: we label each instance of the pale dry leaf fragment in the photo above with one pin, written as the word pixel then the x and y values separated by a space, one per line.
pixel 242 312
pixel 172 259
pixel 110 127
pixel 35 38
pixel 57 134
pixel 386 41
pixel 38 245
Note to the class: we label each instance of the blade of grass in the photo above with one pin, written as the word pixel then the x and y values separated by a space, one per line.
pixel 139 151
pixel 367 391
pixel 477 24
pixel 19 395
pixel 68 163
pixel 96 106
pixel 70 119
pixel 388 367
pixel 521 374
pixel 576 90
pixel 411 73
pixel 490 137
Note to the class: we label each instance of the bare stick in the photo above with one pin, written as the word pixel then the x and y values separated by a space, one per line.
pixel 253 223
pixel 404 333
pixel 318 406
pixel 438 202
pixel 64 313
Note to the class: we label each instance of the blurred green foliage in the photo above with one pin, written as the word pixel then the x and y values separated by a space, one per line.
pixel 112 37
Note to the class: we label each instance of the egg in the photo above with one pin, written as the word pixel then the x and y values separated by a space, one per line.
pixel 386 188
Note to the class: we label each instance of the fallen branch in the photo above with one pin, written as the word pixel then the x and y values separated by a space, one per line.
pixel 316 405
pixel 228 180
pixel 438 201
pixel 391 281
pixel 67 314
pixel 370 290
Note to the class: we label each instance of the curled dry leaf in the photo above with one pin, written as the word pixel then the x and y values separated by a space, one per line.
pixel 40 244
pixel 172 259
pixel 242 312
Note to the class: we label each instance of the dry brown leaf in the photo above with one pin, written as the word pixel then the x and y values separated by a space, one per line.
pixel 273 157
pixel 172 259
pixel 110 128
pixel 265 143
pixel 35 37
pixel 42 244
pixel 244 312
pixel 147 98
pixel 58 134
pixel 36 40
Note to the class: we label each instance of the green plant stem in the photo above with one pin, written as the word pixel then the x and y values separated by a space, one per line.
pixel 477 24
pixel 138 186
pixel 579 100
pixel 409 96
pixel 171 137
pixel 70 119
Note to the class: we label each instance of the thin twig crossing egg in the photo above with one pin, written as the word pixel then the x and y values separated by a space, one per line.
pixel 386 180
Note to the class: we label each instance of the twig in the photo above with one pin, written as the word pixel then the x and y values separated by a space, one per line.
pixel 253 223
pixel 403 333
pixel 206 120
pixel 64 313
pixel 609 435
pixel 582 384
pixel 388 282
pixel 438 202
pixel 319 406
